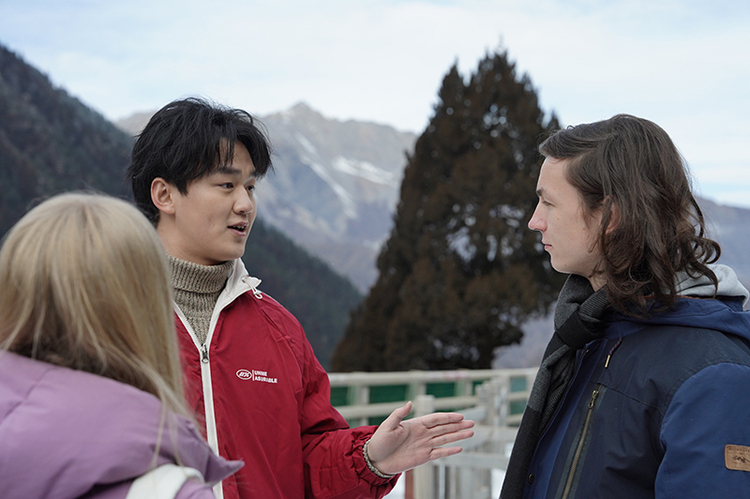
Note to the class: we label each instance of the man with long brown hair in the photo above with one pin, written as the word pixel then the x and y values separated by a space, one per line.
pixel 644 389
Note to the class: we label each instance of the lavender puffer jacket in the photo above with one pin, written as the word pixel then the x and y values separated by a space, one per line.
pixel 68 434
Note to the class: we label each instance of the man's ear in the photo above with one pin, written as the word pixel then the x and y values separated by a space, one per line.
pixel 162 195
pixel 614 217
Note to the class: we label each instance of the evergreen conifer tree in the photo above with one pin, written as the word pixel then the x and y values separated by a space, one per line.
pixel 460 272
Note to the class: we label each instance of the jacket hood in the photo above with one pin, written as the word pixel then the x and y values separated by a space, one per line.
pixel 65 431
pixel 702 287
pixel 701 305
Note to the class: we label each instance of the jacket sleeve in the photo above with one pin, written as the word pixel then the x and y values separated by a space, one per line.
pixel 710 411
pixel 334 465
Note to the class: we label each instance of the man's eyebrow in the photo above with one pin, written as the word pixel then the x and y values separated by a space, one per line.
pixel 540 191
pixel 227 169
pixel 231 170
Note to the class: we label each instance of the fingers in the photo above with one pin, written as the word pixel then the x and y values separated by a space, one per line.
pixel 447 429
pixel 449 438
pixel 444 434
pixel 444 452
pixel 407 407
pixel 451 428
pixel 440 418
pixel 463 425
pixel 395 418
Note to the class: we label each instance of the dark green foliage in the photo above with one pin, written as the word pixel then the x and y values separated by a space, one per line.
pixel 50 142
pixel 315 294
pixel 461 271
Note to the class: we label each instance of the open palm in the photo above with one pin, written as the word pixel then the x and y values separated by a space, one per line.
pixel 399 445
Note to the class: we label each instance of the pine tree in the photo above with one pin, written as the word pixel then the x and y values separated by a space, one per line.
pixel 460 272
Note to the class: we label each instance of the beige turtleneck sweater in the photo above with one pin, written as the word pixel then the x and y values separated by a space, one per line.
pixel 196 290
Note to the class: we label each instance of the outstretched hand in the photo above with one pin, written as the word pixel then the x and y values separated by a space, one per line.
pixel 399 445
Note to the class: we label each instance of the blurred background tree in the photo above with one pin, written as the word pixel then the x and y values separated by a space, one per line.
pixel 461 272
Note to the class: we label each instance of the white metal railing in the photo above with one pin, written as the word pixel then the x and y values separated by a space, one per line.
pixel 475 472
pixel 359 409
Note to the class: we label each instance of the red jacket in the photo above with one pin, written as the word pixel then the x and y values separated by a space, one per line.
pixel 265 399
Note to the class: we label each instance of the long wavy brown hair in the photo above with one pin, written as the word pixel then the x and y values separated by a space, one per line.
pixel 651 225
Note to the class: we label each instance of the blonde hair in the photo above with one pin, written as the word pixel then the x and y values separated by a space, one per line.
pixel 84 284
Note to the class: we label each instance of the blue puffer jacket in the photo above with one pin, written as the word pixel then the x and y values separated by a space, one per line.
pixel 658 408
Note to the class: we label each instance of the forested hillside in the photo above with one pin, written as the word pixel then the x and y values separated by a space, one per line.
pixel 317 296
pixel 50 142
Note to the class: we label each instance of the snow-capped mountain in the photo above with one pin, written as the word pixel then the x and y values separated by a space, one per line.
pixel 335 186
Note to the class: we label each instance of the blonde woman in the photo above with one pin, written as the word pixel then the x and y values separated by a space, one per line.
pixel 90 381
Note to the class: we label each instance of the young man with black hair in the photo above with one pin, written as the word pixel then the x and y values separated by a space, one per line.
pixel 250 373
pixel 644 389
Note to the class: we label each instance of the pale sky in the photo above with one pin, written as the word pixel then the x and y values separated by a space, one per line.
pixel 683 64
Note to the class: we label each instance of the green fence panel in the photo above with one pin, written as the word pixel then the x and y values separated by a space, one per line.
pixel 339 396
pixel 517 406
pixel 439 390
pixel 518 384
pixel 388 393
pixel 376 420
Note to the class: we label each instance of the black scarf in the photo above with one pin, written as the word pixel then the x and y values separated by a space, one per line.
pixel 577 322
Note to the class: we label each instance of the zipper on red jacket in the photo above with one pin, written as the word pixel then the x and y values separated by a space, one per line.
pixel 579 448
pixel 204 353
